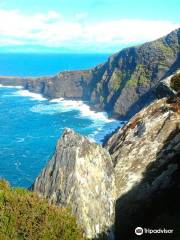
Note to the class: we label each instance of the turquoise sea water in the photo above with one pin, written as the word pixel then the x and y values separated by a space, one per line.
pixel 31 125
pixel 46 64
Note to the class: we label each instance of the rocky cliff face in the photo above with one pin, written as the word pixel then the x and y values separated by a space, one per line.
pixel 128 77
pixel 164 88
pixel 81 176
pixel 146 154
pixel 69 85
pixel 122 85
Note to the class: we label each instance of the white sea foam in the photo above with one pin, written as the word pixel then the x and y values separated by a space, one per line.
pixel 25 93
pixel 31 95
pixel 101 124
pixel 47 109
pixel 83 108
pixel 17 87
pixel 103 130
pixel 100 120
pixel 57 100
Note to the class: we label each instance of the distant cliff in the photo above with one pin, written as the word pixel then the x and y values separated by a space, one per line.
pixel 122 85
pixel 130 76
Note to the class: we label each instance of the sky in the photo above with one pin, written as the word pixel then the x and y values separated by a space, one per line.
pixel 84 26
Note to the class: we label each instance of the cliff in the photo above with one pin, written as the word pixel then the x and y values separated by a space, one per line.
pixel 80 175
pixel 69 85
pixel 130 76
pixel 122 86
pixel 140 176
pixel 146 154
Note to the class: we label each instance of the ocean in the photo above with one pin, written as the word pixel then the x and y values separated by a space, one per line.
pixel 46 64
pixel 30 125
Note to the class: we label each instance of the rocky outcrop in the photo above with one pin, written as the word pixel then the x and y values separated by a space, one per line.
pixel 122 86
pixel 80 175
pixel 146 154
pixel 164 88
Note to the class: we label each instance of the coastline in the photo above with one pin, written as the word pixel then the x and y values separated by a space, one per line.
pixel 65 105
pixel 24 83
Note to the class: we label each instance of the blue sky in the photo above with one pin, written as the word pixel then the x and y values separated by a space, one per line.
pixel 84 25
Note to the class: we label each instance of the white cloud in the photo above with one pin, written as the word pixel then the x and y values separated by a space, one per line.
pixel 127 31
pixel 53 30
pixel 81 15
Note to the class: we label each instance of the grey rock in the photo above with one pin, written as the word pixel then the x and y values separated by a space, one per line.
pixel 80 175
pixel 146 154
pixel 164 89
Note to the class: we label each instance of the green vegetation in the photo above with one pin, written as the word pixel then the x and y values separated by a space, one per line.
pixel 132 82
pixel 115 81
pixel 139 77
pixel 175 83
pixel 24 216
pixel 165 49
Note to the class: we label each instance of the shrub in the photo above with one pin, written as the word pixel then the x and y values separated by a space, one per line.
pixel 24 216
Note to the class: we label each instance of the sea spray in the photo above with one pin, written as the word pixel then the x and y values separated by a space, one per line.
pixel 31 95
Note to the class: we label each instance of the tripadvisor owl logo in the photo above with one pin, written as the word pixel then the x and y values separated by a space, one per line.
pixel 139 231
